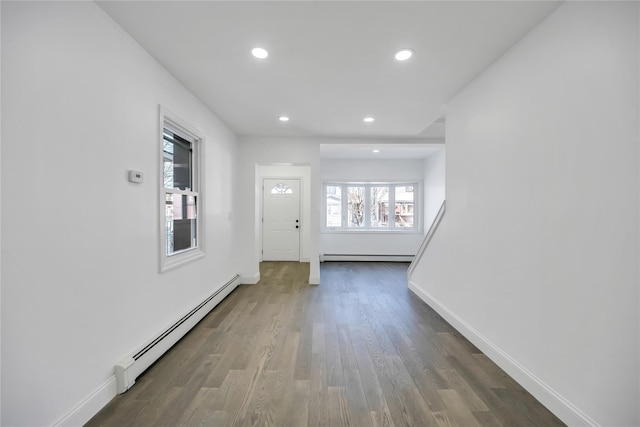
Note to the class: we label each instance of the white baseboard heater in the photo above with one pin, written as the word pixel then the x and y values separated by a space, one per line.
pixel 128 369
pixel 365 257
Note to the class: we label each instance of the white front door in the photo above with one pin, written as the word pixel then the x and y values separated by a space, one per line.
pixel 281 220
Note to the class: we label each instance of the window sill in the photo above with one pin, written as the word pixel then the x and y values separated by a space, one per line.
pixel 180 259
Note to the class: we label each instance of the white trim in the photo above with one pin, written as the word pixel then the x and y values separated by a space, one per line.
pixel 90 405
pixel 249 279
pixel 314 280
pixel 554 401
pixel 174 123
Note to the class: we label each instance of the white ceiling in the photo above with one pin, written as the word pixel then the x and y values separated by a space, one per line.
pixel 330 63
pixel 364 151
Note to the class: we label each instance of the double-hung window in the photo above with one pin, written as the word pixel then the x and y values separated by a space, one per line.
pixel 181 226
pixel 371 206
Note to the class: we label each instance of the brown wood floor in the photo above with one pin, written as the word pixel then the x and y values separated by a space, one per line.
pixel 358 350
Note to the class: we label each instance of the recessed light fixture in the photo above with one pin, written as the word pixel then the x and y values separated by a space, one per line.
pixel 283 118
pixel 376 151
pixel 404 54
pixel 259 52
pixel 368 119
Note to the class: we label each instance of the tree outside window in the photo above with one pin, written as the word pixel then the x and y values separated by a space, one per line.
pixel 355 200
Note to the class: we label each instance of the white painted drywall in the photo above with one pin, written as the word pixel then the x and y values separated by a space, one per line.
pixel 393 170
pixel 434 186
pixel 537 254
pixel 80 281
pixel 0 219
pixel 371 243
pixel 257 156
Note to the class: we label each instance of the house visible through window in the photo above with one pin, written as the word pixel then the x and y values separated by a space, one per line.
pixel 333 206
pixel 181 230
pixel 370 206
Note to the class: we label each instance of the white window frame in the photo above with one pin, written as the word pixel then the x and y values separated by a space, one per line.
pixel 367 228
pixel 170 121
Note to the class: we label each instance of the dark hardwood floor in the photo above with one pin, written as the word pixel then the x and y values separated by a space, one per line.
pixel 358 350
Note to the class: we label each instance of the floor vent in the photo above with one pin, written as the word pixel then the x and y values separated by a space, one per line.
pixel 128 369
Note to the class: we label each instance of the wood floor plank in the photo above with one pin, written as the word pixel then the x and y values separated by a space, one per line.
pixel 302 368
pixel 358 350
pixel 318 338
pixel 281 396
pixel 199 408
pixel 419 375
pixel 456 348
pixel 337 407
pixel 225 363
pixel 333 367
pixel 318 390
pixel 466 393
pixel 378 408
pixel 356 400
pixel 457 410
pixel 487 419
pixel 417 406
pixel 347 355
pixel 393 392
pixel 300 407
pixel 229 390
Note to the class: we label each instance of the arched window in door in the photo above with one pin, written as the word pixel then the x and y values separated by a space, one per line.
pixel 281 189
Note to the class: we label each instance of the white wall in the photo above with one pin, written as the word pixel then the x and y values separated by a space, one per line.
pixel 371 243
pixel 80 281
pixel 255 155
pixel 0 223
pixel 434 186
pixel 536 259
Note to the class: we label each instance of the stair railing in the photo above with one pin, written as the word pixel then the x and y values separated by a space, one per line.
pixel 427 239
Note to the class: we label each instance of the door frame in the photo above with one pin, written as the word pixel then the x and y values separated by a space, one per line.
pixel 300 206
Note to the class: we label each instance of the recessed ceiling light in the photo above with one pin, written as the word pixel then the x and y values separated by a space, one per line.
pixel 376 151
pixel 283 118
pixel 368 119
pixel 259 52
pixel 404 54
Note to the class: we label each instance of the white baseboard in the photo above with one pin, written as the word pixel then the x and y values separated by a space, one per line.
pixel 556 403
pixel 314 280
pixel 250 279
pixel 89 406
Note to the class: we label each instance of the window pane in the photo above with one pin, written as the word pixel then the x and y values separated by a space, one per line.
pixel 334 205
pixel 181 222
pixel 281 189
pixel 404 206
pixel 379 207
pixel 355 203
pixel 176 161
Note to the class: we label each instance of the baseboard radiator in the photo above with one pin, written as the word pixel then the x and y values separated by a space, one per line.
pixel 365 257
pixel 128 369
